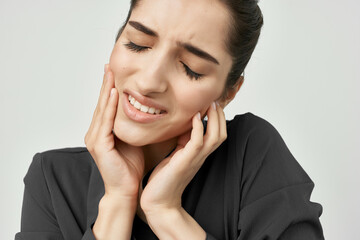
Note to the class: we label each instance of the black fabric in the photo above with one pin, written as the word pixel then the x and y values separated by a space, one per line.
pixel 250 188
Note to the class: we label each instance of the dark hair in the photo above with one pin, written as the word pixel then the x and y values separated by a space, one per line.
pixel 244 31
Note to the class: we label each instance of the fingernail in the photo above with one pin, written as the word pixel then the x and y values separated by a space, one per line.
pixel 198 116
pixel 213 105
pixel 112 92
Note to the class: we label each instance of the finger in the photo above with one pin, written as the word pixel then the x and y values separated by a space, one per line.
pixel 105 91
pixel 105 77
pixel 101 93
pixel 192 147
pixel 222 123
pixel 196 137
pixel 100 108
pixel 211 137
pixel 107 123
pixel 97 112
pixel 195 144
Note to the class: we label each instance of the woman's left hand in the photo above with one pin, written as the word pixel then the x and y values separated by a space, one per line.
pixel 169 179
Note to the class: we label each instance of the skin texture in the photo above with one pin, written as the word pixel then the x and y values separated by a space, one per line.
pixel 158 72
pixel 124 149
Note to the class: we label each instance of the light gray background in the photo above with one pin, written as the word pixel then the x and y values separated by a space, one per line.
pixel 303 78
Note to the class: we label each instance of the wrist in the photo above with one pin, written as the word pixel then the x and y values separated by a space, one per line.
pixel 162 214
pixel 118 202
pixel 174 223
pixel 163 221
pixel 115 218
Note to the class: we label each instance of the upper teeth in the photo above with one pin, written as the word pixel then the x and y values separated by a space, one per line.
pixel 143 108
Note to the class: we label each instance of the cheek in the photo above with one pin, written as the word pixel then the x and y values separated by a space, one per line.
pixel 121 64
pixel 192 99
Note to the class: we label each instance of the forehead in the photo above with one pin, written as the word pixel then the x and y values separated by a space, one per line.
pixel 200 22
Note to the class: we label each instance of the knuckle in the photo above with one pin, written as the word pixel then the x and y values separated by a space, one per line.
pixel 100 110
pixel 90 148
pixel 96 149
pixel 97 110
pixel 213 144
pixel 223 137
pixel 213 140
pixel 106 117
pixel 197 145
pixel 87 138
pixel 90 144
pixel 88 135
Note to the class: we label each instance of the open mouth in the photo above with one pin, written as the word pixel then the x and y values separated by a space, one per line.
pixel 144 108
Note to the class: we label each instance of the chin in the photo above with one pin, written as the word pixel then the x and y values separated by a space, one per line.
pixel 130 137
pixel 132 141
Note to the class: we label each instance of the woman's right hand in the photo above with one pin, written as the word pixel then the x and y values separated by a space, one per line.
pixel 120 164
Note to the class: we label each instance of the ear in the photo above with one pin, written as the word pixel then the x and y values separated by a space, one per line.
pixel 231 93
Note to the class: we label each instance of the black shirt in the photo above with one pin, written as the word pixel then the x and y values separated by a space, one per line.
pixel 250 188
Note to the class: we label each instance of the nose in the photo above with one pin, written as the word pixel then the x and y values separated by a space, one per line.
pixel 153 77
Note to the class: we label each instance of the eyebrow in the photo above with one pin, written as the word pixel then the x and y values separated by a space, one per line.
pixel 187 46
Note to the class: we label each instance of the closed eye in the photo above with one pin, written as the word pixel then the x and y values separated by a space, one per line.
pixel 191 73
pixel 136 48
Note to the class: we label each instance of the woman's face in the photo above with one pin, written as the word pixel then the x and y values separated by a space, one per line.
pixel 171 59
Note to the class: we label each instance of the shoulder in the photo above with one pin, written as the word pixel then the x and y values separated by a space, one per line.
pixel 71 158
pixel 271 183
pixel 266 161
pixel 257 140
pixel 251 132
pixel 60 167
pixel 249 124
pixel 250 139
pixel 63 160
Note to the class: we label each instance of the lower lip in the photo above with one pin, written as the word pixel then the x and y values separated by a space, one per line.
pixel 137 115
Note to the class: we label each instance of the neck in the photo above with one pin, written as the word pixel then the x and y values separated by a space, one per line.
pixel 155 153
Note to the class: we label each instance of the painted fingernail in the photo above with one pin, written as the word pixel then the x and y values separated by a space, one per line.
pixel 213 105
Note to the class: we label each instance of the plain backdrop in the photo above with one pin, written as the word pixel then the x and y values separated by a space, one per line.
pixel 303 78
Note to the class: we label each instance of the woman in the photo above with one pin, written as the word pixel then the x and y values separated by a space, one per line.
pixel 152 167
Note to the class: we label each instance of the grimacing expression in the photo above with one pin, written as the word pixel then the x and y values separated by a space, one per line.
pixel 173 54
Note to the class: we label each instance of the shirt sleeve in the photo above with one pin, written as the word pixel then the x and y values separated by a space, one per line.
pixel 275 192
pixel 89 235
pixel 38 219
